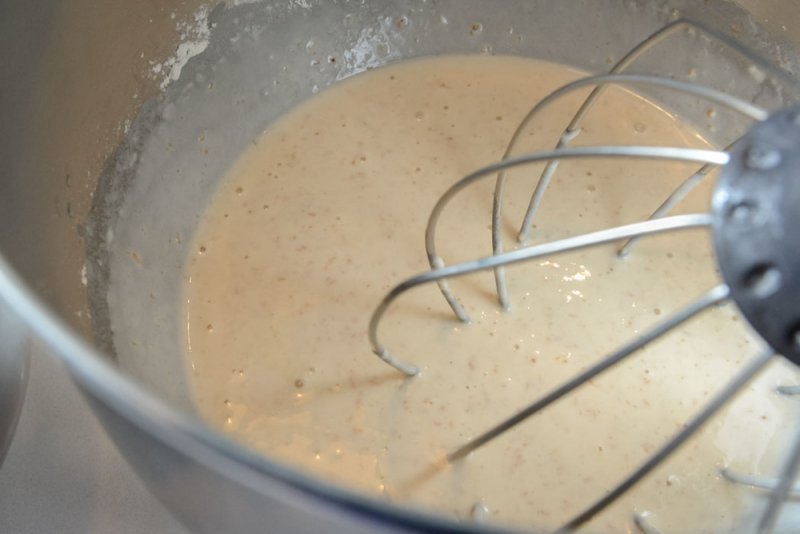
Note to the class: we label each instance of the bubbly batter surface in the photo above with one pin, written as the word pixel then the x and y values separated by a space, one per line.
pixel 326 212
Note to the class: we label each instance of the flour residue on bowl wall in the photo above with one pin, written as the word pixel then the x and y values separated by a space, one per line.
pixel 194 35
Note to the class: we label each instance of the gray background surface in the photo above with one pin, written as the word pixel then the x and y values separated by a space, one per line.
pixel 62 473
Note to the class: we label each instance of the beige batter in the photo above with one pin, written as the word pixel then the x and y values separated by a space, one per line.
pixel 326 211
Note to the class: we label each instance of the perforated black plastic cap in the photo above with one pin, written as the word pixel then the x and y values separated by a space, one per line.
pixel 756 229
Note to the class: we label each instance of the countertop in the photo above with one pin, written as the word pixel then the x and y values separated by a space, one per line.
pixel 63 474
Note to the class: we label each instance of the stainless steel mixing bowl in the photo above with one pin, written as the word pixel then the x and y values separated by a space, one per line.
pixel 82 114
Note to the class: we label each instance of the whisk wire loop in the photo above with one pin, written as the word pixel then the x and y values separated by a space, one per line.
pixel 674 198
pixel 636 152
pixel 666 224
pixel 782 491
pixel 762 483
pixel 573 130
pixel 708 411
